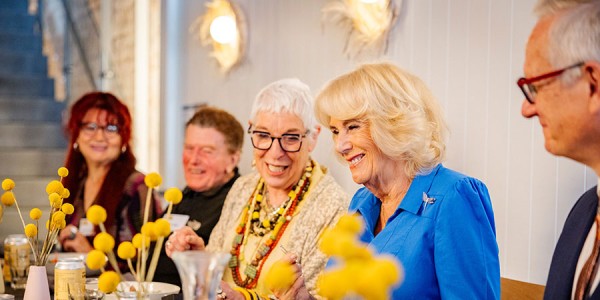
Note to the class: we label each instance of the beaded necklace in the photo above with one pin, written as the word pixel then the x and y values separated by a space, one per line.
pixel 274 226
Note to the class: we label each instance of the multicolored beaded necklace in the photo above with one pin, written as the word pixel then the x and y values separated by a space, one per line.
pixel 273 225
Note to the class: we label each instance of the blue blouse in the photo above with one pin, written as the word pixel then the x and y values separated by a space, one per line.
pixel 444 235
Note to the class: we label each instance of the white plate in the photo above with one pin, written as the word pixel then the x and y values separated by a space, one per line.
pixel 157 289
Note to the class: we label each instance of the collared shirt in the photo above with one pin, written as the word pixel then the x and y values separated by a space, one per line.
pixel 586 251
pixel 444 235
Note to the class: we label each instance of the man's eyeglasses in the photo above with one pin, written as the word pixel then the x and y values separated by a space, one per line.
pixel 530 90
pixel 90 128
pixel 263 140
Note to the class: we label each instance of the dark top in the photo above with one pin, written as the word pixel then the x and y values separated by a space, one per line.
pixel 204 209
pixel 569 245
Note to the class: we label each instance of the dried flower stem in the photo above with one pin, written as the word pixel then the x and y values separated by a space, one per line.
pixel 131 269
pixel 23 223
pixel 155 255
pixel 144 253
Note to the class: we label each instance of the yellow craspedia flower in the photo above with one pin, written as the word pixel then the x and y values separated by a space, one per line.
pixel 350 223
pixel 8 184
pixel 55 200
pixel 330 285
pixel 126 250
pixel 149 231
pixel 137 241
pixel 173 195
pixel 162 227
pixel 8 198
pixel 67 208
pixel 61 224
pixel 65 193
pixel 108 281
pixel 58 216
pixel 388 269
pixel 96 214
pixel 35 213
pixel 280 276
pixel 63 172
pixel 95 259
pixel 54 186
pixel 104 242
pixel 153 180
pixel 31 230
pixel 336 243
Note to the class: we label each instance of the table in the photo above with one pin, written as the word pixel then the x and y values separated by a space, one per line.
pixel 17 293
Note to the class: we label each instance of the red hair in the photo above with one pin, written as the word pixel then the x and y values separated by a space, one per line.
pixel 111 191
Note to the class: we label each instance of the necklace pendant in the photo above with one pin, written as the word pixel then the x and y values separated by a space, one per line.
pixel 263 249
pixel 233 262
pixel 250 271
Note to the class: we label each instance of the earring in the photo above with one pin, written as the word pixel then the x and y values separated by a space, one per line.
pixel 123 149
pixel 75 146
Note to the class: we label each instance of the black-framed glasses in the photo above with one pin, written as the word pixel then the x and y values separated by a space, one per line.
pixel 530 90
pixel 289 142
pixel 90 128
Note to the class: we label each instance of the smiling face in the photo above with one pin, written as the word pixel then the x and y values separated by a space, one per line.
pixel 207 162
pixel 281 170
pixel 562 110
pixel 368 165
pixel 97 147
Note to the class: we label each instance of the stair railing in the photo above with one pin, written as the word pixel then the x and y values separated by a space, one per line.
pixel 83 35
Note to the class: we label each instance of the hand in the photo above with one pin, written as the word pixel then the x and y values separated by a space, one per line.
pixel 183 239
pixel 67 233
pixel 228 293
pixel 76 242
pixel 298 289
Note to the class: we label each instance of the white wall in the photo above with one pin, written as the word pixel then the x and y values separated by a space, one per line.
pixel 470 52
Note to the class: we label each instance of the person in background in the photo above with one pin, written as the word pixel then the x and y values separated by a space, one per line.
pixel 102 171
pixel 562 88
pixel 283 206
pixel 211 152
pixel 438 223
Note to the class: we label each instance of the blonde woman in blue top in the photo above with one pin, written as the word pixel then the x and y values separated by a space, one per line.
pixel 389 130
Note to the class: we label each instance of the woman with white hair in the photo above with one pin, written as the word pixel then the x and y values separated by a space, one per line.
pixel 438 223
pixel 283 206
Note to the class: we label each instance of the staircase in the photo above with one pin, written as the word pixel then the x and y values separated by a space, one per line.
pixel 32 143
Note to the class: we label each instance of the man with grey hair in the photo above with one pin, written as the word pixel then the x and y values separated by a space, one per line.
pixel 562 88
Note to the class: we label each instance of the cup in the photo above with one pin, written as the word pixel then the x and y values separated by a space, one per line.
pixel 19 266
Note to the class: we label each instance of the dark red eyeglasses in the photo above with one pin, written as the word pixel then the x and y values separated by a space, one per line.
pixel 530 90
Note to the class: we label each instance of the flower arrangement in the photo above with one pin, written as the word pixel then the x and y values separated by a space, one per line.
pixel 359 272
pixel 138 247
pixel 56 217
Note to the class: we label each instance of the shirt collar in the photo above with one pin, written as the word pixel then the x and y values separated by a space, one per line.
pixel 421 184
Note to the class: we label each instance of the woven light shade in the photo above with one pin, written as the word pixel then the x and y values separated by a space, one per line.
pixel 368 22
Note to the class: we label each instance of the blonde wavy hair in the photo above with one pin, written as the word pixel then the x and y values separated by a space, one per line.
pixel 405 120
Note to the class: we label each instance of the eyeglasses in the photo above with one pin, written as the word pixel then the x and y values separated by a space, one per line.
pixel 530 90
pixel 89 129
pixel 288 142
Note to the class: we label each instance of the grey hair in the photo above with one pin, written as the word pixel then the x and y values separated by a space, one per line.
pixel 574 36
pixel 549 7
pixel 286 95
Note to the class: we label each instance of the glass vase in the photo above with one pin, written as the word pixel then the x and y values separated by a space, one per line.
pixel 200 273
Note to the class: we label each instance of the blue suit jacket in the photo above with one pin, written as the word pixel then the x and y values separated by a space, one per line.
pixel 568 247
pixel 448 248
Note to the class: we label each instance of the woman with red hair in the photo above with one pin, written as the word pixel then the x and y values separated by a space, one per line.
pixel 102 171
